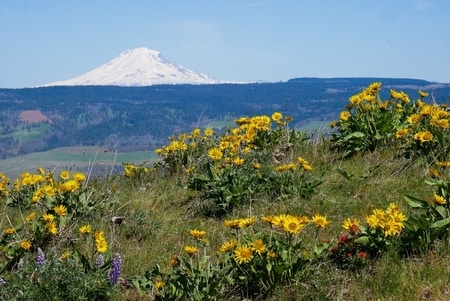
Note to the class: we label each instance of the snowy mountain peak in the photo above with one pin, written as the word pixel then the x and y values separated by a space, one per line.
pixel 138 67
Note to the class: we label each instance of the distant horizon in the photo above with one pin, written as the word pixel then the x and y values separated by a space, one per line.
pixel 237 40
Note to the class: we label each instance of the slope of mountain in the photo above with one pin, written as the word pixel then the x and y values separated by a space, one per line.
pixel 138 67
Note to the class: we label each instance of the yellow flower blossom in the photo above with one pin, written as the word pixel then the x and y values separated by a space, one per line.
pixel 197 233
pixel 243 254
pixel 344 115
pixel 215 154
pixel 228 246
pixel 60 210
pixel 320 221
pixel 439 199
pixel 277 116
pixel 25 244
pixel 64 175
pixel 190 249
pixel 424 136
pixel 85 229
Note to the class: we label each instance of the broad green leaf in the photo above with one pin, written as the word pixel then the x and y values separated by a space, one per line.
pixel 415 202
pixel 442 223
pixel 362 240
pixel 442 211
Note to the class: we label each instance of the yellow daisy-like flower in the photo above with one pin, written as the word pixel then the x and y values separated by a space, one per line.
pixel 414 118
pixel 372 221
pixel 258 246
pixel 401 133
pixel 272 254
pixel 302 161
pixel 60 210
pixel 79 177
pixel 65 255
pixel 85 229
pixel 243 254
pixel 247 222
pixel 277 116
pixel 256 165
pixel 352 225
pixel 159 284
pixel 48 217
pixel 443 123
pixel 344 115
pixel 232 223
pixel 307 167
pixel 423 94
pixel 393 207
pixel 320 221
pixel 392 228
pixel 440 199
pixel 49 190
pixel 52 228
pixel 197 233
pixel 101 245
pixel 25 244
pixel 433 172
pixel 228 246
pixel 69 186
pixel 191 250
pixel 238 161
pixel 293 225
pixel 10 231
pixel 278 220
pixel 98 235
pixel 64 175
pixel 423 136
pixel 30 217
pixel 215 154
pixel 209 132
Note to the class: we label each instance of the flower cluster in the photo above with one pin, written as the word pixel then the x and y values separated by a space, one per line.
pixel 390 221
pixel 352 249
pixel 100 241
pixel 426 130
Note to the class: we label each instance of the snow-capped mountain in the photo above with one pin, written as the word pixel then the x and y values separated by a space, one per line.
pixel 138 67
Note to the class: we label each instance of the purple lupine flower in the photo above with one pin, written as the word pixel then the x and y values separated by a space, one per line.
pixel 40 257
pixel 116 269
pixel 2 281
pixel 100 261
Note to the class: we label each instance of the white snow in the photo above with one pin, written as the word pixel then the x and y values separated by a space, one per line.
pixel 138 67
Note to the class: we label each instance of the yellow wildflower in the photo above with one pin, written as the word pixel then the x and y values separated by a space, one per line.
pixel 25 244
pixel 85 229
pixel 243 254
pixel 320 221
pixel 60 210
pixel 190 249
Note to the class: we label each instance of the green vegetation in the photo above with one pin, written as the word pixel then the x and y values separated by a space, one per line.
pixel 258 212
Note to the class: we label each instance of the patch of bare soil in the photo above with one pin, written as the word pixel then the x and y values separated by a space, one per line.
pixel 33 116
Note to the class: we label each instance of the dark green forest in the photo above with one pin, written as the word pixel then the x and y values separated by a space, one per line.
pixel 142 118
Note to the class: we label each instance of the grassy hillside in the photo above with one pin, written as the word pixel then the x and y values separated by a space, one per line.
pixel 261 212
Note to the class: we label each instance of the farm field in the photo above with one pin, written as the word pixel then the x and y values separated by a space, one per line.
pixel 73 158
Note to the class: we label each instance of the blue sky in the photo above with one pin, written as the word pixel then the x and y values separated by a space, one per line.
pixel 240 40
